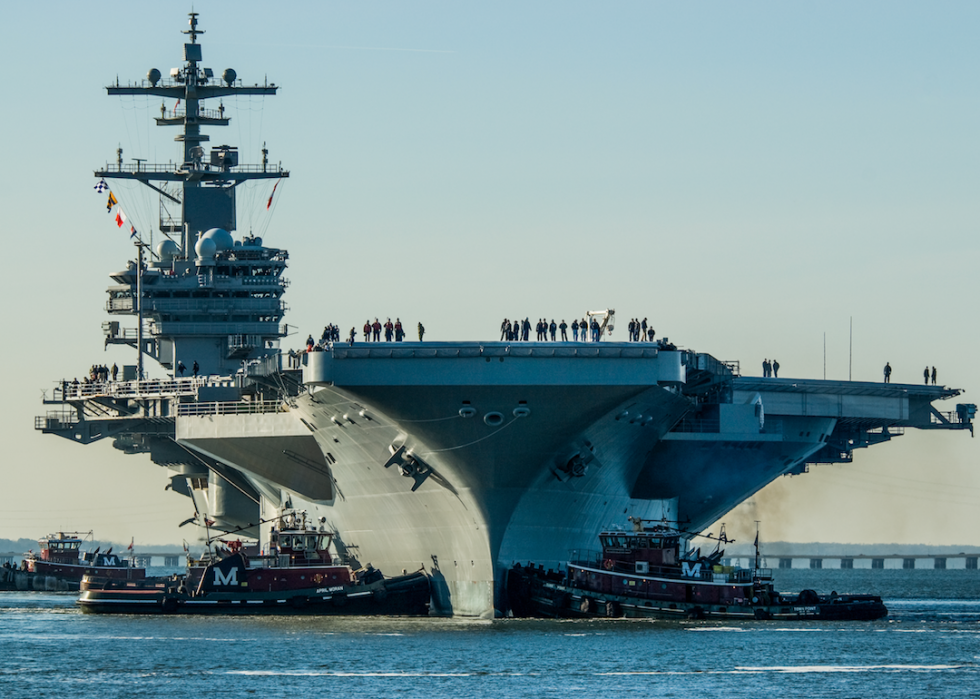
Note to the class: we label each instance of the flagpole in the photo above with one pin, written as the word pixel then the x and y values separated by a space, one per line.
pixel 139 313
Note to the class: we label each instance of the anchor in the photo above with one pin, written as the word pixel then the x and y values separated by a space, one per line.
pixel 409 465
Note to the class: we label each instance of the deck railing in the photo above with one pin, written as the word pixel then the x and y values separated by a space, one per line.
pixel 131 389
pixel 232 408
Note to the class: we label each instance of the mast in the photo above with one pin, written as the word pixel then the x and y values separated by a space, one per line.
pixel 217 302
pixel 190 85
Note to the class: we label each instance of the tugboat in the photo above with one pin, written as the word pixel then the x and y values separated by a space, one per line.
pixel 299 576
pixel 643 573
pixel 60 557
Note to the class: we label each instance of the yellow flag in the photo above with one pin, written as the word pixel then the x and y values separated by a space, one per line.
pixel 111 203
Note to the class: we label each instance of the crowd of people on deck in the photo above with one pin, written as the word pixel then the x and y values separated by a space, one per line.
pixel 371 332
pixel 585 330
pixel 770 369
pixel 99 373
pixel 927 374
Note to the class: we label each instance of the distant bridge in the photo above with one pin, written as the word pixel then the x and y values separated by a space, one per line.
pixel 143 560
pixel 872 561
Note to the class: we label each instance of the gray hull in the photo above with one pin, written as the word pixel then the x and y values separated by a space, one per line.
pixel 580 443
pixel 468 458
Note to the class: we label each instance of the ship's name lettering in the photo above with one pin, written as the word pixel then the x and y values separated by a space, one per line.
pixel 337 588
pixel 689 571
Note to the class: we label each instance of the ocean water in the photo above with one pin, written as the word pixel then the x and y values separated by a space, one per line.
pixel 929 646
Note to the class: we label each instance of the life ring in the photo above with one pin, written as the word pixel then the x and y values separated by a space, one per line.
pixel 608 564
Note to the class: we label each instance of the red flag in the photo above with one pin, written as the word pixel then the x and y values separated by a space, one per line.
pixel 131 543
pixel 176 105
pixel 269 203
pixel 120 218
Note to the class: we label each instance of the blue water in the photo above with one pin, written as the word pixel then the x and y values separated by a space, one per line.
pixel 929 646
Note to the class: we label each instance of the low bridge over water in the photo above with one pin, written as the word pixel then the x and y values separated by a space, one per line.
pixel 872 561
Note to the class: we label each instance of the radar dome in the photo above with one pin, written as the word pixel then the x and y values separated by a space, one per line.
pixel 153 76
pixel 229 75
pixel 222 239
pixel 167 250
pixel 205 248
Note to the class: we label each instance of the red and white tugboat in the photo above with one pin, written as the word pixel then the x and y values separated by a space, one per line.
pixel 643 573
pixel 300 575
pixel 61 557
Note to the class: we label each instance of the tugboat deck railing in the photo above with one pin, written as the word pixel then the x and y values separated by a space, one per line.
pixel 692 571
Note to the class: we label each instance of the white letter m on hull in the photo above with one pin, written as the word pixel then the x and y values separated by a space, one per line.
pixel 230 579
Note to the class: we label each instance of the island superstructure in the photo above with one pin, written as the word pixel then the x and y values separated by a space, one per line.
pixel 464 457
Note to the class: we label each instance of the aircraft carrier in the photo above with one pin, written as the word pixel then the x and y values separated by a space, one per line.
pixel 463 457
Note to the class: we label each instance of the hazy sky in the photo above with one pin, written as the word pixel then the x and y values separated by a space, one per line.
pixel 749 176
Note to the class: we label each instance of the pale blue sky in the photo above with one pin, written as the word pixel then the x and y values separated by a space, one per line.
pixel 747 175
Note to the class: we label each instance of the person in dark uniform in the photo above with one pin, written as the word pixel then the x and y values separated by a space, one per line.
pixel 421 331
pixel 552 329
pixel 925 375
pixel 888 372
pixel 775 369
pixel 933 374
pixel 195 368
pixel 181 368
pixel 564 330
